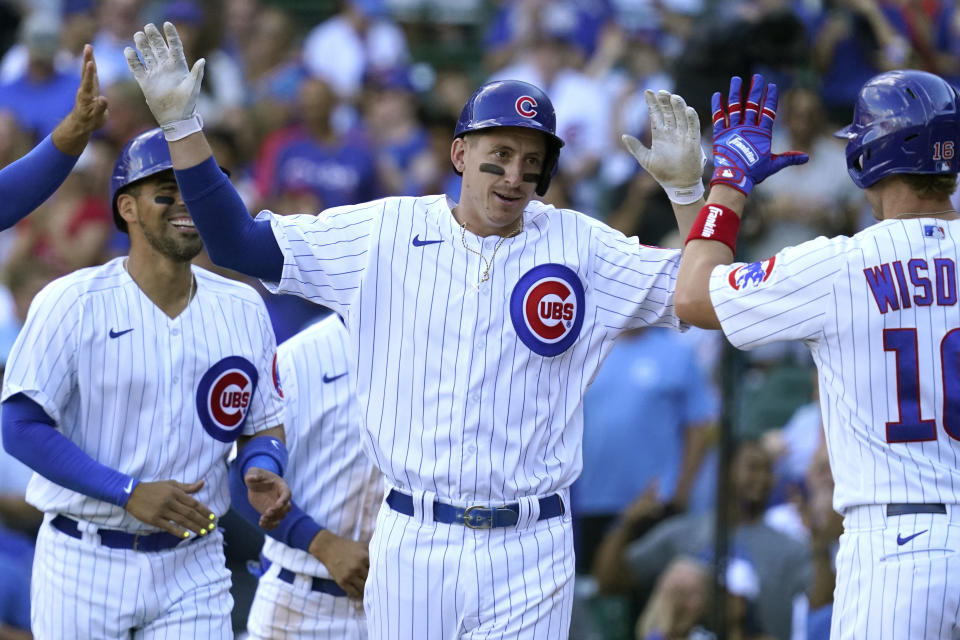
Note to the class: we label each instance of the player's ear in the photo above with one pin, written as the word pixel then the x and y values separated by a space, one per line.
pixel 127 207
pixel 457 151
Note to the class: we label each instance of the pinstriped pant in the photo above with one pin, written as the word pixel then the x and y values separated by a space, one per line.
pixel 893 584
pixel 83 590
pixel 283 610
pixel 434 581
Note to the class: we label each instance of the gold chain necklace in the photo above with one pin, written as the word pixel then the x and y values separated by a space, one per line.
pixel 487 265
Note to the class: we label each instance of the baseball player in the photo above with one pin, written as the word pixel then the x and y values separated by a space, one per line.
pixel 312 583
pixel 474 330
pixel 124 392
pixel 27 182
pixel 879 312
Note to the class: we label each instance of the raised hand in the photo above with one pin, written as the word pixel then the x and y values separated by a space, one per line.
pixel 742 135
pixel 348 561
pixel 168 505
pixel 269 494
pixel 169 86
pixel 89 110
pixel 675 158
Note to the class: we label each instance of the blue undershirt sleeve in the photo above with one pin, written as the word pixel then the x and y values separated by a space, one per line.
pixel 296 530
pixel 30 436
pixel 232 237
pixel 28 181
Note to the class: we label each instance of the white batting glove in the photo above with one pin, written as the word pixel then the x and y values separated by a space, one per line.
pixel 675 158
pixel 170 88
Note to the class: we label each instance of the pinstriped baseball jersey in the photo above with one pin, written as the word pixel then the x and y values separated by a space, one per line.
pixel 879 313
pixel 330 477
pixel 151 396
pixel 474 392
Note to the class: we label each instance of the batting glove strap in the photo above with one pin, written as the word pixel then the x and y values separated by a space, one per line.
pixel 733 177
pixel 684 195
pixel 716 222
pixel 180 129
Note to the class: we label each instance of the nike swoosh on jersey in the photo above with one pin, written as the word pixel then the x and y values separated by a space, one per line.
pixel 902 541
pixel 417 242
pixel 327 378
pixel 117 334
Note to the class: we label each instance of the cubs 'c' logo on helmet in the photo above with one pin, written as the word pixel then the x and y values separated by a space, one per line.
pixel 751 275
pixel 525 106
pixel 224 395
pixel 547 308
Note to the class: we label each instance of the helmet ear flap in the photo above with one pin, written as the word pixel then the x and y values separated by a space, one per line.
pixel 550 166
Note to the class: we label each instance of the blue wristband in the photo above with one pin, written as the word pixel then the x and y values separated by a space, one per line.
pixel 262 461
pixel 260 447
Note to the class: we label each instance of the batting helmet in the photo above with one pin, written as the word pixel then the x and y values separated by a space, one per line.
pixel 142 157
pixel 511 103
pixel 903 122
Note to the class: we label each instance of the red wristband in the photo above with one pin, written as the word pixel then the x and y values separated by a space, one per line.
pixel 716 222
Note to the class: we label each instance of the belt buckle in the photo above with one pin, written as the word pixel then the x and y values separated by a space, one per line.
pixel 477 517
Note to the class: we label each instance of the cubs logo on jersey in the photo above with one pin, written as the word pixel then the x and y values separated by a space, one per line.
pixel 224 395
pixel 751 275
pixel 547 308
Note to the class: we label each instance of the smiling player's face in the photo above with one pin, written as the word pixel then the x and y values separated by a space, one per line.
pixel 162 219
pixel 500 169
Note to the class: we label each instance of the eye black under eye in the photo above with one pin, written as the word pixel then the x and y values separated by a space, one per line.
pixel 167 200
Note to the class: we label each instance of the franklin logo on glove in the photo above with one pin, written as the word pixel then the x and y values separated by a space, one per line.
pixel 746 150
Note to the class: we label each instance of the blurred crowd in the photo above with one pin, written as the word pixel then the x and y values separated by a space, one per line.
pixel 317 104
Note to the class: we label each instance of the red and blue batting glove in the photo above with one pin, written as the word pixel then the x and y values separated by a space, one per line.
pixel 741 137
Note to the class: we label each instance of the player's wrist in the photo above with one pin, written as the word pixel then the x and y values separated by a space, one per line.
pixel 262 461
pixel 265 452
pixel 727 196
pixel 70 136
pixel 180 129
pixel 716 222
pixel 126 492
pixel 684 195
pixel 321 545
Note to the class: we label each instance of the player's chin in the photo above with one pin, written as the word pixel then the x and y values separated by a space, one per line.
pixel 186 249
pixel 504 213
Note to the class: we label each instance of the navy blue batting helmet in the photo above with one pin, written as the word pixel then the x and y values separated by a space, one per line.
pixel 511 103
pixel 142 157
pixel 904 122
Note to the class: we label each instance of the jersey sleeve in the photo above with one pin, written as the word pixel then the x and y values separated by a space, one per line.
pixel 632 284
pixel 42 364
pixel 785 297
pixel 266 409
pixel 325 256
